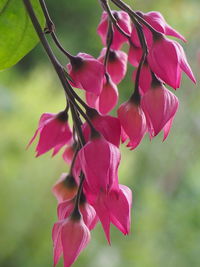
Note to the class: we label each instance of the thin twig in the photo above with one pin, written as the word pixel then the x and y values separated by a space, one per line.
pixel 57 66
pixel 106 7
pixel 129 10
pixel 109 41
pixel 50 28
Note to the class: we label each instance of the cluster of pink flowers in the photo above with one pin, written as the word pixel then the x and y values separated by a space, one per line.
pixel 91 191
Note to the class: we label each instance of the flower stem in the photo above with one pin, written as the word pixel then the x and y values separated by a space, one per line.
pixel 109 41
pixel 136 94
pixel 50 28
pixel 78 196
pixel 57 66
pixel 135 17
pixel 129 10
pixel 106 7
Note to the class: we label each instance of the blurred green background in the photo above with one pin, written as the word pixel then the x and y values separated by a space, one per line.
pixel 165 177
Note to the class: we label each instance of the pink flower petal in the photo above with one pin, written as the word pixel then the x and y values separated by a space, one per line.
pixel 108 97
pixel 87 73
pixel 116 65
pixel 57 244
pixel 123 21
pixel 159 106
pixel 100 168
pixel 133 122
pixel 75 236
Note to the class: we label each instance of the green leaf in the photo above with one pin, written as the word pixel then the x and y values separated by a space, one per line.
pixel 17 35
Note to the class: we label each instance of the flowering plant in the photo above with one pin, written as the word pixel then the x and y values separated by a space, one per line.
pixel 91 192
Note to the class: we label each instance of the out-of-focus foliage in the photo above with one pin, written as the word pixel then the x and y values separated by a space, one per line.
pixel 17 34
pixel 165 177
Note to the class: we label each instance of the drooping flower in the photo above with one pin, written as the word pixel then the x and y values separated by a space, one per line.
pixel 88 213
pixel 145 78
pixel 86 72
pixel 113 207
pixel 157 21
pixel 184 66
pixel 133 122
pixel 68 153
pixel 167 60
pixel 119 204
pixel 107 99
pixel 100 169
pixel 53 130
pixel 65 208
pixel 159 106
pixel 107 125
pixel 70 237
pixel 99 202
pixel 90 217
pixel 116 65
pixel 65 188
pixel 92 100
pixel 123 21
pixel 134 55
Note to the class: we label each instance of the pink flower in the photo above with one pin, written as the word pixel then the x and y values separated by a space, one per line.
pixel 92 100
pixel 159 106
pixel 145 78
pixel 70 237
pixel 68 153
pixel 184 66
pixel 65 188
pixel 100 205
pixel 100 169
pixel 66 207
pixel 123 21
pixel 54 131
pixel 167 60
pixel 133 122
pixel 87 73
pixel 116 65
pixel 113 207
pixel 107 125
pixel 90 217
pixel 119 204
pixel 107 99
pixel 157 21
pixel 134 55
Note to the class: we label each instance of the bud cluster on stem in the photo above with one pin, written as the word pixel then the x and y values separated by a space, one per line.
pixel 91 192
